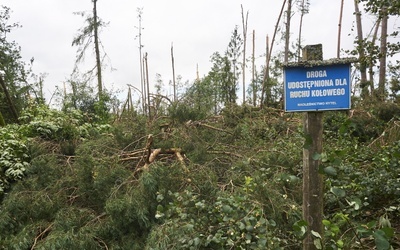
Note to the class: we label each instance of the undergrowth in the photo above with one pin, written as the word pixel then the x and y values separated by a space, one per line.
pixel 224 182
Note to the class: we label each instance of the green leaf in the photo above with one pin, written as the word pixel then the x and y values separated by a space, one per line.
pixel 160 197
pixel 316 156
pixel 371 224
pixel 316 234
pixel 160 208
pixel 389 231
pixel 340 243
pixel 326 223
pixel 380 241
pixel 330 171
pixel 272 223
pixel 338 192
pixel 356 203
pixel 300 228
pixel 317 244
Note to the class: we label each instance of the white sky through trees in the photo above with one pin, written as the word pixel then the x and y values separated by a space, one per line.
pixel 197 29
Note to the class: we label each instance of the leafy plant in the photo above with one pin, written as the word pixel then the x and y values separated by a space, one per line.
pixel 14 158
pixel 231 221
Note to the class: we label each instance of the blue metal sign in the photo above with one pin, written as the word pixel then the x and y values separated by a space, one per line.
pixel 317 88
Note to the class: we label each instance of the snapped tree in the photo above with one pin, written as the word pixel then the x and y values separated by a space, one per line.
pixel 89 36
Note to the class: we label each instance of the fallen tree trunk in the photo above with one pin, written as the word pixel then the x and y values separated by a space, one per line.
pixel 146 156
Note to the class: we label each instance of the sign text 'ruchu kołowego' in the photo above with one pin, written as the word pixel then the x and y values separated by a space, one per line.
pixel 317 88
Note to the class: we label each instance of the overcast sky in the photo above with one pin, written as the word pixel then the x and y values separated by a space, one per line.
pixel 197 29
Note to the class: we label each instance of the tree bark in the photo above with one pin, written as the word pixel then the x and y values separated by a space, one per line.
pixel 360 48
pixel 340 29
pixel 142 84
pixel 300 29
pixel 173 71
pixel 147 85
pixel 97 50
pixel 244 24
pixel 371 65
pixel 383 52
pixel 2 122
pixel 287 32
pixel 266 71
pixel 254 70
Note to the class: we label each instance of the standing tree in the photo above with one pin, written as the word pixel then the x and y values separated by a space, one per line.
pixel 371 48
pixel 304 8
pixel 224 73
pixel 361 49
pixel 173 71
pixel 340 29
pixel 384 9
pixel 253 71
pixel 244 24
pixel 265 92
pixel 97 49
pixel 224 79
pixel 14 89
pixel 287 32
pixel 87 35
pixel 139 37
pixel 233 53
pixel 383 53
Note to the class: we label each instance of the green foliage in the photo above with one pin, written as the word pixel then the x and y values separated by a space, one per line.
pixel 14 158
pixel 51 124
pixel 181 112
pixel 231 221
pixel 202 96
pixel 67 129
pixel 387 111
pixel 376 6
pixel 239 187
pixel 12 70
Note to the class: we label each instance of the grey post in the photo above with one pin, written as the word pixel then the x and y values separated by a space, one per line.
pixel 312 179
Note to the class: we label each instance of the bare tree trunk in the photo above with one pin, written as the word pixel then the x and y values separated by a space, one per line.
pixel 97 50
pixel 266 71
pixel 300 29
pixel 9 100
pixel 253 80
pixel 383 52
pixel 371 65
pixel 287 32
pixel 145 94
pixel 244 23
pixel 197 73
pixel 74 93
pixel 148 85
pixel 340 29
pixel 173 71
pixel 142 88
pixel 2 122
pixel 360 48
